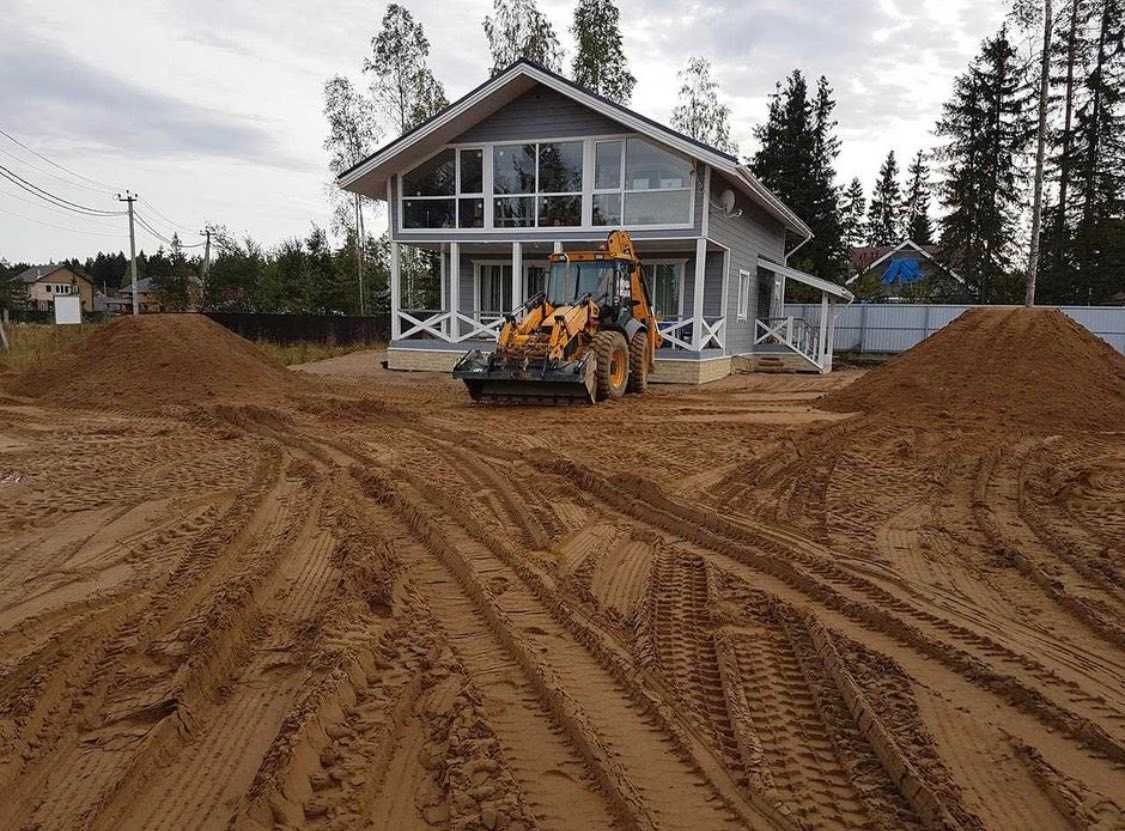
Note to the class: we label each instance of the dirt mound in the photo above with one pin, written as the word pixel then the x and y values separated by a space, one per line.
pixel 1036 367
pixel 144 363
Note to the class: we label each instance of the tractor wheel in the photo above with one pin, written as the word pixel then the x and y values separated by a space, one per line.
pixel 638 362
pixel 612 357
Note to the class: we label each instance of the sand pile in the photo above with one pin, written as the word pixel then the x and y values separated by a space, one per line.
pixel 1035 367
pixel 143 363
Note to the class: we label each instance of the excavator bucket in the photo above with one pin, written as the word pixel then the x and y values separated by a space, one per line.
pixel 491 380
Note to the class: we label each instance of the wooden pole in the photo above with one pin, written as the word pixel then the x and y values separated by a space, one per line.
pixel 1040 152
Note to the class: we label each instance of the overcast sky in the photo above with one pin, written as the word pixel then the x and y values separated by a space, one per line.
pixel 211 109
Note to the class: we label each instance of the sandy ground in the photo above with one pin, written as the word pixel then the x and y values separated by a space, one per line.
pixel 375 605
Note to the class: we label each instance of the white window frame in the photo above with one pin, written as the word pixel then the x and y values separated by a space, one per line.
pixel 681 262
pixel 743 311
pixel 536 195
pixel 456 196
pixel 586 193
pixel 527 266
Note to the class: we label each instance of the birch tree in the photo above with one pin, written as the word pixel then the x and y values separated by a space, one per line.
pixel 699 113
pixel 517 29
pixel 600 64
pixel 403 86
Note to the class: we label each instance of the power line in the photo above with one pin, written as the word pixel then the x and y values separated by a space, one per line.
pixel 43 172
pixel 10 137
pixel 57 227
pixel 144 223
pixel 155 210
pixel 47 196
pixel 40 203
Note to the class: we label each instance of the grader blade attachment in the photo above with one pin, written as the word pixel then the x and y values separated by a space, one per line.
pixel 493 381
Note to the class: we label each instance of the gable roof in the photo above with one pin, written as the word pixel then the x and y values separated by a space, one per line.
pixel 370 175
pixel 866 258
pixel 38 272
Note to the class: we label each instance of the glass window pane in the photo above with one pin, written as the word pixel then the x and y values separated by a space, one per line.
pixel 658 208
pixel 607 208
pixel 513 212
pixel 513 168
pixel 560 167
pixel 433 177
pixel 665 280
pixel 470 213
pixel 495 289
pixel 607 164
pixel 427 213
pixel 648 167
pixel 559 211
pixel 536 281
pixel 472 171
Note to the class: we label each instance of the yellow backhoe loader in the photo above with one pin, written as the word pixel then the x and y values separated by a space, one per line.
pixel 589 335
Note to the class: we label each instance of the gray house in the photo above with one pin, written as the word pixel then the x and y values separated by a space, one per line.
pixel 529 163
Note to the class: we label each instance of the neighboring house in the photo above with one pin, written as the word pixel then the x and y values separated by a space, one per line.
pixel 148 299
pixel 46 282
pixel 904 273
pixel 528 163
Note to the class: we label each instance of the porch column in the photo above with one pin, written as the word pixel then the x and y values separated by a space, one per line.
pixel 396 291
pixel 822 341
pixel 454 289
pixel 517 274
pixel 443 276
pixel 697 304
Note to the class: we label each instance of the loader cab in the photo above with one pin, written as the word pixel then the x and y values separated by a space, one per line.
pixel 605 280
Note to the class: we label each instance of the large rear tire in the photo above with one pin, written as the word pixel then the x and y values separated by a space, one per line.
pixel 612 355
pixel 638 362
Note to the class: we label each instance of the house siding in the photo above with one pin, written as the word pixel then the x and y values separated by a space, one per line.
pixel 747 236
pixel 540 113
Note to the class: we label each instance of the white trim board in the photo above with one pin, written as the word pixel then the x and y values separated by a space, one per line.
pixel 898 248
pixel 788 272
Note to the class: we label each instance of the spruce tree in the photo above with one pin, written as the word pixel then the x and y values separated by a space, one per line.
pixel 403 85
pixel 517 29
pixel 918 225
pixel 699 113
pixel 987 126
pixel 853 213
pixel 883 215
pixel 600 64
pixel 1099 169
pixel 796 161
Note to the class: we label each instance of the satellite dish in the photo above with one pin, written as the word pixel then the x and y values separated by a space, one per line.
pixel 726 201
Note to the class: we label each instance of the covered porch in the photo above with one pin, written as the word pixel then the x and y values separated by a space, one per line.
pixel 788 343
pixel 450 297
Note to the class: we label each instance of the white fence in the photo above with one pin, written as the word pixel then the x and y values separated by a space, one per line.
pixel 867 327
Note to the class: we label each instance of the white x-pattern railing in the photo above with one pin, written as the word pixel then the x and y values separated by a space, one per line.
pixel 673 332
pixel 793 332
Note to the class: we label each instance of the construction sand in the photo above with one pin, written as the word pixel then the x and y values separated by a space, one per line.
pixel 347 598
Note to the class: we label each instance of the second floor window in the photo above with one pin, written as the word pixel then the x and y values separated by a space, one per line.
pixel 537 185
pixel 546 184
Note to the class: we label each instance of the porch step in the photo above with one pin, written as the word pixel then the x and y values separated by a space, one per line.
pixel 778 362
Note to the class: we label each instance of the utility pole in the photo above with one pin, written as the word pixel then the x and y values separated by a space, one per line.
pixel 131 197
pixel 360 234
pixel 206 232
pixel 1040 151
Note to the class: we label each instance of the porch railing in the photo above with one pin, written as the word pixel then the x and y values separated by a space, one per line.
pixel 795 333
pixel 678 334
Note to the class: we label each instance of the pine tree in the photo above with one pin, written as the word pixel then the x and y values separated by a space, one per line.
pixel 600 63
pixel 699 113
pixel 517 29
pixel 883 215
pixel 796 161
pixel 987 126
pixel 853 213
pixel 917 205
pixel 1099 170
pixel 403 86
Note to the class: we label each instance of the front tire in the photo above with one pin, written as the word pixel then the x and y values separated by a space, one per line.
pixel 638 362
pixel 612 355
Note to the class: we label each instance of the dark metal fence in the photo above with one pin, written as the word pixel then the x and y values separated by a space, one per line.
pixel 297 328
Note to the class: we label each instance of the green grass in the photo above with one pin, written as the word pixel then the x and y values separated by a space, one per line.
pixel 306 351
pixel 33 344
